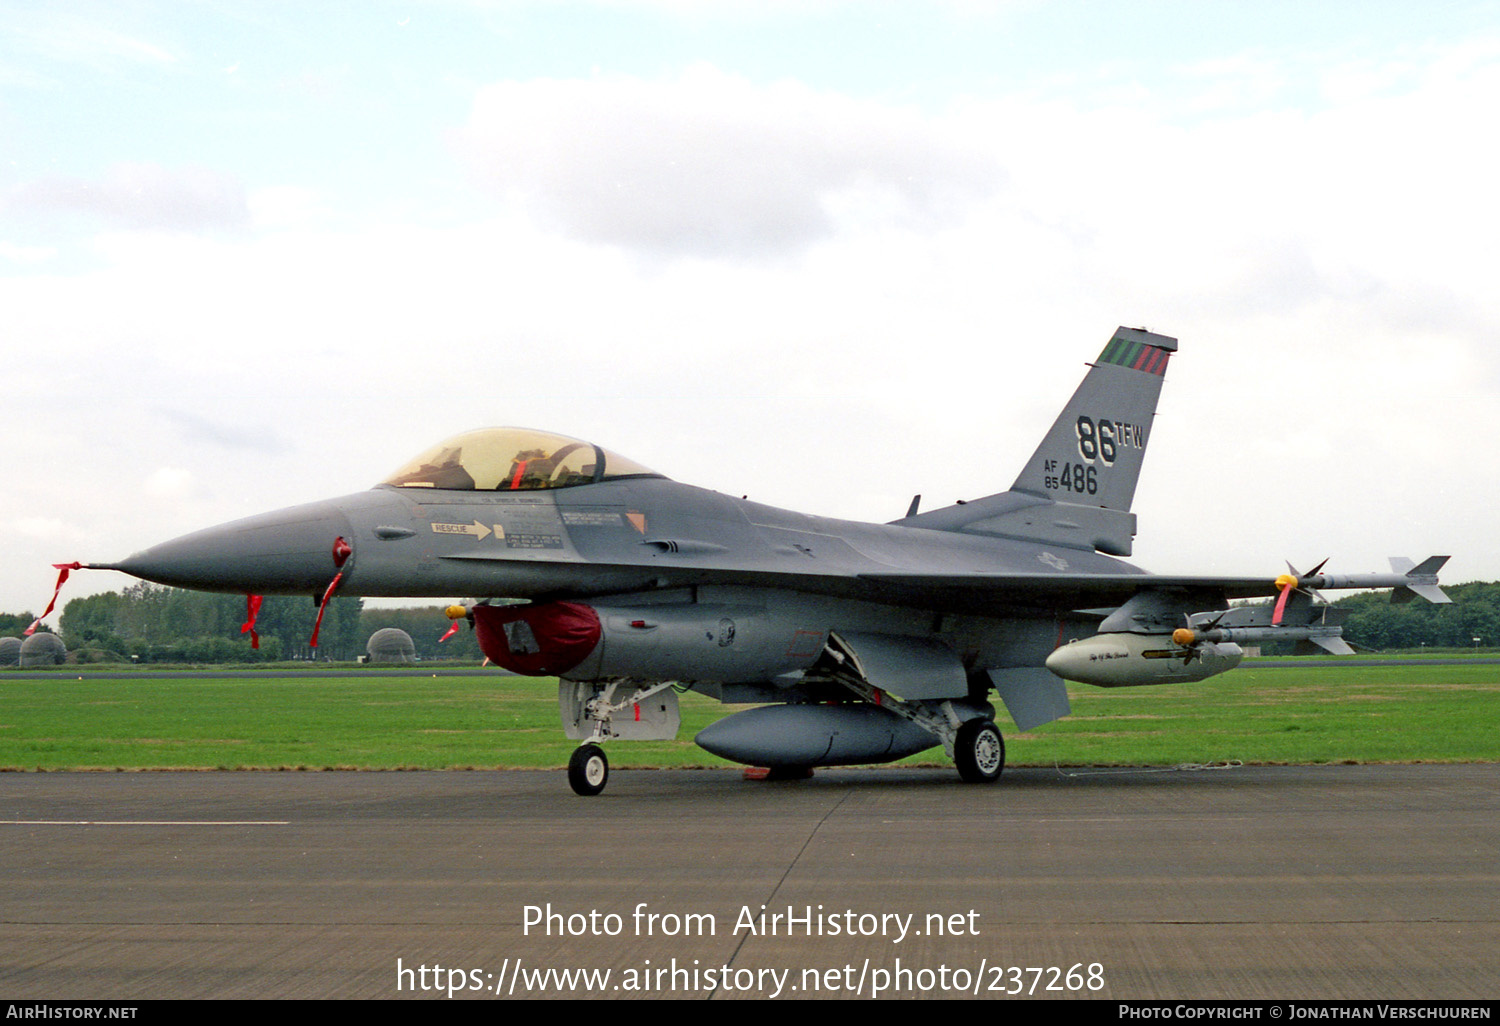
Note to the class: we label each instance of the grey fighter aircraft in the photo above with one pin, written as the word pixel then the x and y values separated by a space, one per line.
pixel 855 642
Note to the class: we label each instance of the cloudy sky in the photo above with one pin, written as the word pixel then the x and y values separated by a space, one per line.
pixel 825 254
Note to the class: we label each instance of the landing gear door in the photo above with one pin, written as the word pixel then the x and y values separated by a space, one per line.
pixel 912 668
pixel 630 717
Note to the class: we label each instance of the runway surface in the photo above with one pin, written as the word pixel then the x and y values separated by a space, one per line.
pixel 1249 883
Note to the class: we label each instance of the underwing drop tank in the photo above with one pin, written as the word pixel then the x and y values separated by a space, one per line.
pixel 814 735
pixel 1131 660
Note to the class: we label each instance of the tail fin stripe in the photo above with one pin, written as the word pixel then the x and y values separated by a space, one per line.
pixel 1147 359
pixel 1139 356
pixel 1120 352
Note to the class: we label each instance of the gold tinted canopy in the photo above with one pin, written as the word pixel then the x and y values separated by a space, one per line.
pixel 513 459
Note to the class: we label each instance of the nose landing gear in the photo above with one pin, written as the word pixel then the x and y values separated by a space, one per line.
pixel 588 770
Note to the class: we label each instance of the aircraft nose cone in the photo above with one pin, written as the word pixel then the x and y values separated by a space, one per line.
pixel 290 551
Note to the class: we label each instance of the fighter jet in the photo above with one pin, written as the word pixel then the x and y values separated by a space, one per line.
pixel 855 642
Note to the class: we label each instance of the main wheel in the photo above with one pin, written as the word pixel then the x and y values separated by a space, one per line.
pixel 979 752
pixel 588 770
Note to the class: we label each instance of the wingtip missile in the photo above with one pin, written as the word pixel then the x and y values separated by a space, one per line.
pixel 1407 580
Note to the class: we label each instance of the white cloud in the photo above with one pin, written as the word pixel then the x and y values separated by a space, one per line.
pixel 711 164
pixel 283 207
pixel 81 39
pixel 170 483
pixel 26 254
pixel 39 528
pixel 141 196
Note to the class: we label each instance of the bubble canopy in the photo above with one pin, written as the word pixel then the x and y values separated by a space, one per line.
pixel 513 460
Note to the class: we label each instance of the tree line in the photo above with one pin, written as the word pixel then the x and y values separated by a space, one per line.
pixel 151 623
pixel 1374 623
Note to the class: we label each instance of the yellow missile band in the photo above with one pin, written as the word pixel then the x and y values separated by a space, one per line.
pixel 456 612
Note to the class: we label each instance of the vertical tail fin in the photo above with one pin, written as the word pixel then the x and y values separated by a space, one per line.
pixel 1092 455
pixel 1077 488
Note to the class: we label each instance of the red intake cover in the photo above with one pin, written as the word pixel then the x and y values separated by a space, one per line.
pixel 537 641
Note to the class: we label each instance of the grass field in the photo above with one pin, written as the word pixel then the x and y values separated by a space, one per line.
pixel 1411 713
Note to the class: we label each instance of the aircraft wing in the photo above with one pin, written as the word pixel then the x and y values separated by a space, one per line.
pixel 956 591
pixel 1084 591
pixel 952 592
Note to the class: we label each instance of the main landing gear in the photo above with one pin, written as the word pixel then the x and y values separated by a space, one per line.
pixel 965 727
pixel 979 751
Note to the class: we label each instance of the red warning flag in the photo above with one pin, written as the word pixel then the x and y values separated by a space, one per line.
pixel 63 570
pixel 332 586
pixel 252 610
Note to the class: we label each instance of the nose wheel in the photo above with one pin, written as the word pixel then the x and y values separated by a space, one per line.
pixel 588 770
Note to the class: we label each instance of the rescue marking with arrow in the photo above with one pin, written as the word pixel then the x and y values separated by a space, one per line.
pixel 476 529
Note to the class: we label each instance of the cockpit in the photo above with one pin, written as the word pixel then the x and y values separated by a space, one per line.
pixel 512 460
